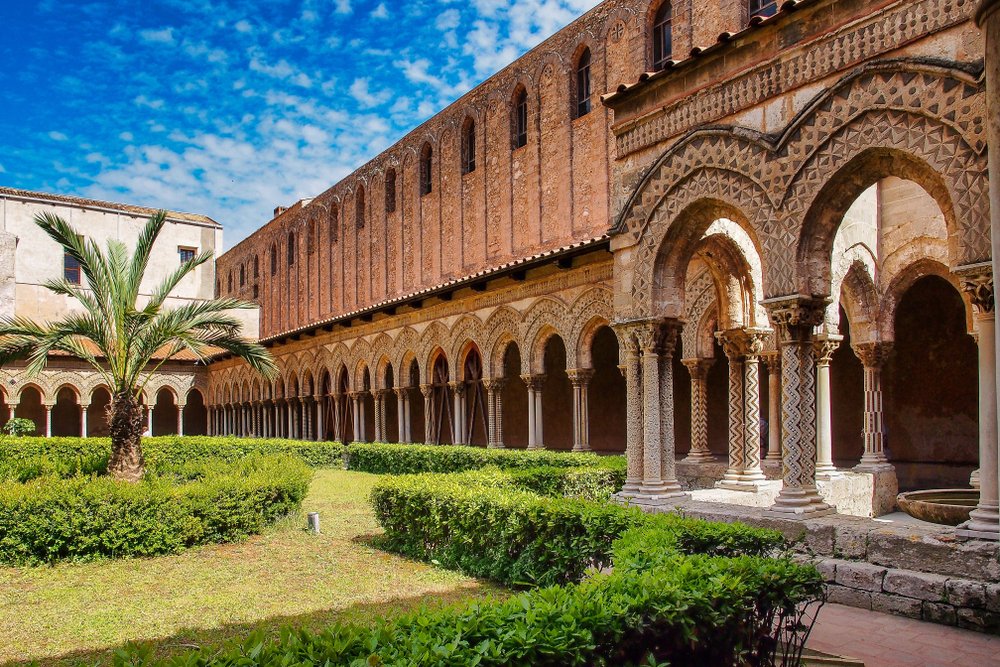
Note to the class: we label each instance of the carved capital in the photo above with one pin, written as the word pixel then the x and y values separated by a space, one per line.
pixel 773 360
pixel 872 355
pixel 657 336
pixel 401 392
pixel 495 384
pixel 824 346
pixel 457 386
pixel 794 317
pixel 977 282
pixel 743 342
pixel 427 390
pixel 580 377
pixel 534 382
pixel 698 368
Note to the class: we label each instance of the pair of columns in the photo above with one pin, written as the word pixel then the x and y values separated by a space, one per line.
pixel 647 348
pixel 743 348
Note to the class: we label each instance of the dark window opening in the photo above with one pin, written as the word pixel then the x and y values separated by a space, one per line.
pixel 426 169
pixel 762 8
pixel 469 147
pixel 662 36
pixel 359 209
pixel 71 269
pixel 185 254
pixel 390 191
pixel 520 118
pixel 583 84
pixel 291 249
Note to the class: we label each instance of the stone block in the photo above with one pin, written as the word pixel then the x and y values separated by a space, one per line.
pixel 851 541
pixel 896 604
pixel 827 568
pixel 862 576
pixel 938 612
pixel 979 620
pixel 966 593
pixel 819 539
pixel 849 596
pixel 919 585
pixel 904 550
pixel 992 596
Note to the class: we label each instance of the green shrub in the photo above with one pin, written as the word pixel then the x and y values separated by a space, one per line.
pixel 50 519
pixel 18 427
pixel 171 449
pixel 397 459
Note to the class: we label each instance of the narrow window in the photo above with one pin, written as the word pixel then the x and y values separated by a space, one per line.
pixel 390 191
pixel 762 8
pixel 291 249
pixel 256 266
pixel 243 275
pixel 468 146
pixel 426 159
pixel 520 118
pixel 662 38
pixel 583 84
pixel 274 259
pixel 186 254
pixel 311 239
pixel 359 208
pixel 229 283
pixel 71 269
pixel 334 223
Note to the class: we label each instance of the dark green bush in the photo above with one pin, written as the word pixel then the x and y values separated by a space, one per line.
pixel 50 519
pixel 60 455
pixel 396 459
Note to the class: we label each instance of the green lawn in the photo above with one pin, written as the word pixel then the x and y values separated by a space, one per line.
pixel 209 595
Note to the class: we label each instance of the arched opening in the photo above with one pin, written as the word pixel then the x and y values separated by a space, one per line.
pixel 557 397
pixel 391 406
pixel 195 414
pixel 417 418
pixel 662 34
pixel 344 412
pixel 847 400
pixel 5 414
pixel 519 118
pixel 426 169
pixel 30 407
pixel 515 400
pixel 359 208
pixel 390 190
pixel 291 249
pixel 165 413
pixel 66 414
pixel 468 146
pixel 326 427
pixel 582 90
pixel 442 421
pixel 97 415
pixel 474 419
pixel 368 402
pixel 931 389
pixel 606 400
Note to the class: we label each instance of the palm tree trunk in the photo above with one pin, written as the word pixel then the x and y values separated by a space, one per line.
pixel 125 424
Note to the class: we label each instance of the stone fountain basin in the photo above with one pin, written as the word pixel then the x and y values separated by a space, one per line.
pixel 949 507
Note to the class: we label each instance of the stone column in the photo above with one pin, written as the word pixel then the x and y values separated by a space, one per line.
pixel 743 348
pixel 534 384
pixel 794 319
pixel 458 408
pixel 580 379
pixel 873 356
pixel 773 361
pixel 402 412
pixel 698 370
pixel 494 412
pixel 630 368
pixel 669 332
pixel 83 419
pixel 752 473
pixel 149 418
pixel 428 392
pixel 180 418
pixel 732 345
pixel 379 415
pixel 823 348
pixel 361 417
pixel 320 418
pixel 984 521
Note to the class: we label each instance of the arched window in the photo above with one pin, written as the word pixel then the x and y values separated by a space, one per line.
pixel 256 266
pixel 390 191
pixel 662 37
pixel 468 146
pixel 229 282
pixel 426 173
pixel 274 259
pixel 519 118
pixel 334 223
pixel 359 207
pixel 583 84
pixel 311 238
pixel 291 249
pixel 243 275
pixel 761 8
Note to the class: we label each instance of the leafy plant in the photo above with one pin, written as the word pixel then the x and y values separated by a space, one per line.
pixel 125 342
pixel 18 427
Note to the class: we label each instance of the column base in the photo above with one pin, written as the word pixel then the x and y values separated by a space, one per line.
pixel 743 481
pixel 828 473
pixel 698 457
pixel 582 448
pixel 983 524
pixel 799 504
pixel 630 489
pixel 535 447
pixel 874 467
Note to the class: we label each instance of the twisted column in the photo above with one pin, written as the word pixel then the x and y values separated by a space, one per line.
pixel 494 412
pixel 732 345
pixel 873 356
pixel 428 392
pixel 823 348
pixel 698 370
pixel 794 319
pixel 580 379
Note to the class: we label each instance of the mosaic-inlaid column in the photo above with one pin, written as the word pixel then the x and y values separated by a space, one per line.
pixel 652 453
pixel 629 356
pixel 669 334
pixel 428 392
pixel 873 357
pixel 753 347
pixel 379 415
pixel 579 379
pixel 494 412
pixel 823 348
pixel 984 521
pixel 698 370
pixel 732 346
pixel 794 319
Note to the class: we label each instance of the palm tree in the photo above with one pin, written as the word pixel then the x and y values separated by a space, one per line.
pixel 125 341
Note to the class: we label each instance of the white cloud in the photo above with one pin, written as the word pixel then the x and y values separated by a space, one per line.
pixel 57 136
pixel 126 136
pixel 144 101
pixel 361 91
pixel 162 36
pixel 343 6
pixel 380 12
pixel 243 26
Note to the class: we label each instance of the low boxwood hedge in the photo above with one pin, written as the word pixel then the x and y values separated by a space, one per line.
pixel 397 459
pixel 64 456
pixel 49 518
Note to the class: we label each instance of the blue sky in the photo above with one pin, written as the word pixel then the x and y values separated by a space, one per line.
pixel 230 108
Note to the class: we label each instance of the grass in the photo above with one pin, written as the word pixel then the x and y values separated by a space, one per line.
pixel 70 614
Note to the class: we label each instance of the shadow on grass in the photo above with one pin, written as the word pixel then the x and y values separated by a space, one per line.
pixel 215 640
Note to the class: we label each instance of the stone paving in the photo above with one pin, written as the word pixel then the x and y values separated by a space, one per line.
pixel 883 640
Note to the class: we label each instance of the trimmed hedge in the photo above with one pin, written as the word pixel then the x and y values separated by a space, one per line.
pixel 55 454
pixel 50 519
pixel 397 459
